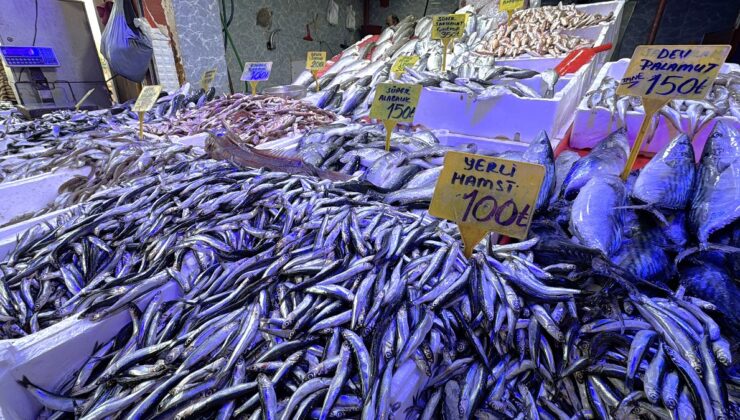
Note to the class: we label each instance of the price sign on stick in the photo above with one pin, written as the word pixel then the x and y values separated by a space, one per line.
pixel 510 6
pixel 394 103
pixel 399 67
pixel 482 194
pixel 84 98
pixel 146 100
pixel 256 72
pixel 446 28
pixel 315 61
pixel 660 73
pixel 207 78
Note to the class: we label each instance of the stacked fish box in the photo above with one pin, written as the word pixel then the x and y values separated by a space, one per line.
pixel 508 117
pixel 593 120
pixel 513 118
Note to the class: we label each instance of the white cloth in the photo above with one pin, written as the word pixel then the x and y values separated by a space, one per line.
pixel 332 13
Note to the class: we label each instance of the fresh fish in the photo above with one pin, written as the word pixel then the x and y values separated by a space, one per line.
pixel 607 158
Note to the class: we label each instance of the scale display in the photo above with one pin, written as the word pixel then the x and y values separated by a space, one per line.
pixel 29 56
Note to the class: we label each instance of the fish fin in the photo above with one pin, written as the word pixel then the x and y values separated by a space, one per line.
pixel 650 208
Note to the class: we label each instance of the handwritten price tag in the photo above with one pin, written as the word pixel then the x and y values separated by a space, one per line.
pixel 449 26
pixel 315 60
pixel 147 98
pixel 399 67
pixel 510 6
pixel 483 194
pixel 685 71
pixel 207 78
pixel 394 103
pixel 256 72
pixel 659 73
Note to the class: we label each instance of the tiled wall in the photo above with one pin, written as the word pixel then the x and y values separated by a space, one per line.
pixel 200 40
pixel 290 17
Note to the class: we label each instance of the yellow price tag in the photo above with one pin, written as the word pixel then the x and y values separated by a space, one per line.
pixel 315 60
pixel 510 6
pixel 147 98
pixel 394 103
pixel 683 71
pixel 448 26
pixel 399 67
pixel 84 98
pixel 207 78
pixel 659 73
pixel 483 194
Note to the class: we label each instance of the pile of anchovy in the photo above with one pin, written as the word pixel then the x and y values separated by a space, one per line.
pixel 301 298
pixel 19 135
pixel 255 118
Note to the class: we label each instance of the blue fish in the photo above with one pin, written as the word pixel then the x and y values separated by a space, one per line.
pixel 597 216
pixel 607 158
pixel 716 200
pixel 540 152
pixel 666 181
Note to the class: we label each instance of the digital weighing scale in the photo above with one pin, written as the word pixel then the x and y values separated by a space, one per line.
pixel 35 59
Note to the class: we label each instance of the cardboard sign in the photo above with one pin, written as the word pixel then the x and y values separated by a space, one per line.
pixel 483 194
pixel 84 98
pixel 399 67
pixel 510 6
pixel 448 26
pixel 256 72
pixel 207 78
pixel 395 101
pixel 315 60
pixel 673 71
pixel 659 73
pixel 147 98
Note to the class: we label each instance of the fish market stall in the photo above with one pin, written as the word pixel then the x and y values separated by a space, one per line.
pixel 355 298
pixel 601 110
pixel 256 119
pixel 253 256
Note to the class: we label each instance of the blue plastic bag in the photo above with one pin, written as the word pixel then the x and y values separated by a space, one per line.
pixel 127 49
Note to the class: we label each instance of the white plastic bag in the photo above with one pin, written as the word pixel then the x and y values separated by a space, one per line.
pixel 351 22
pixel 332 13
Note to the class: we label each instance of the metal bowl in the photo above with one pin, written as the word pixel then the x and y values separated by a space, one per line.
pixel 286 91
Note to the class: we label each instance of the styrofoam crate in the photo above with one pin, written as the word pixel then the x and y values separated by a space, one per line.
pixel 9 234
pixel 592 125
pixel 507 117
pixel 48 357
pixel 29 195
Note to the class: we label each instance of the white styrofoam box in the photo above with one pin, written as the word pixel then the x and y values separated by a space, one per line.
pixel 592 125
pixel 30 195
pixel 506 117
pixel 49 357
pixel 9 234
pixel 485 146
pixel 612 32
